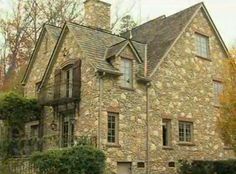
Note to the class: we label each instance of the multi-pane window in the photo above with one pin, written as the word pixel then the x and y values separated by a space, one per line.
pixel 185 131
pixel 166 132
pixel 67 127
pixel 218 89
pixel 202 45
pixel 126 69
pixel 112 125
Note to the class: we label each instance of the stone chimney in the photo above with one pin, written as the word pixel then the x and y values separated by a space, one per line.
pixel 97 14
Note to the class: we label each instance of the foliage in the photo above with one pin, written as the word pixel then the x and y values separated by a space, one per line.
pixel 127 23
pixel 75 160
pixel 15 110
pixel 227 119
pixel 208 167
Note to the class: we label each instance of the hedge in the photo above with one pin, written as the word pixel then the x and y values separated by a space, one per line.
pixel 75 160
pixel 208 167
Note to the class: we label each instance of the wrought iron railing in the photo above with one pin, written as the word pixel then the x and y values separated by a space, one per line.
pixel 54 94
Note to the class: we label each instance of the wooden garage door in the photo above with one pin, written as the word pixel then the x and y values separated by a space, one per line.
pixel 124 168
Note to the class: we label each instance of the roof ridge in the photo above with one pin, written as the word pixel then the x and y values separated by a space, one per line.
pixel 101 30
pixel 188 8
pixel 164 16
pixel 51 25
pixel 118 43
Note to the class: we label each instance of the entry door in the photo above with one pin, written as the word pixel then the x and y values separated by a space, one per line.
pixel 123 168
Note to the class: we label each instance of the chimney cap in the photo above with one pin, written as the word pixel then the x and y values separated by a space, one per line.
pixel 106 3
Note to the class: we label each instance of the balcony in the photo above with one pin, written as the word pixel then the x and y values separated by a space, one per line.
pixel 59 94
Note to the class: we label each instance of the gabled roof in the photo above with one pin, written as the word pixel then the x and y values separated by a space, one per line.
pixel 162 33
pixel 54 32
pixel 116 49
pixel 93 44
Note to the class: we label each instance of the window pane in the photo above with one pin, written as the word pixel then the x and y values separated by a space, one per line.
pixel 202 45
pixel 126 69
pixel 185 131
pixel 218 89
pixel 112 127
pixel 166 132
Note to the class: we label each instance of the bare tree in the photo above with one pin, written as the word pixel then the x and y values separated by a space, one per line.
pixel 20 28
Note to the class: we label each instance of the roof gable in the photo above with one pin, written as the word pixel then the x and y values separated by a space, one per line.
pixel 117 49
pixel 53 31
pixel 162 33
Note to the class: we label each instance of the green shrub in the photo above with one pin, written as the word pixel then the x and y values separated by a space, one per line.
pixel 75 160
pixel 208 167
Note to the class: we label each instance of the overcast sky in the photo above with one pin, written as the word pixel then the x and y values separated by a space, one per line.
pixel 223 12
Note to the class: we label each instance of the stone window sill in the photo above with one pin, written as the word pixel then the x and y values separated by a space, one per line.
pixel 114 145
pixel 126 88
pixel 228 148
pixel 186 144
pixel 216 106
pixel 204 58
pixel 167 148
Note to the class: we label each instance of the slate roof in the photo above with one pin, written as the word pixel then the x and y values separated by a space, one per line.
pixel 95 43
pixel 114 49
pixel 151 40
pixel 161 33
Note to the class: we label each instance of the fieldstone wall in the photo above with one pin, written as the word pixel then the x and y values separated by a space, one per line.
pixel 87 108
pixel 182 89
pixel 97 14
pixel 40 64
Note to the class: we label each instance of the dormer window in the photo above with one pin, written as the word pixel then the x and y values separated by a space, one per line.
pixel 127 70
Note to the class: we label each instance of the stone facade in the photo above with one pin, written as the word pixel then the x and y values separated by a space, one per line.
pixel 181 89
pixel 97 14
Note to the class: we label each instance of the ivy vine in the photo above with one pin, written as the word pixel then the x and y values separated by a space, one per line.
pixel 15 111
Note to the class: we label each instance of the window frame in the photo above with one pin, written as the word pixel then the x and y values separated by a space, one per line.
pixel 67 83
pixel 168 125
pixel 69 118
pixel 218 88
pixel 202 48
pixel 185 123
pixel 116 128
pixel 124 71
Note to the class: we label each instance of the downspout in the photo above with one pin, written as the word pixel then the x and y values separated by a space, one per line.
pixel 100 76
pixel 147 115
pixel 147 130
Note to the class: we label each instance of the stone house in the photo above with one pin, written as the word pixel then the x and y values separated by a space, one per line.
pixel 148 97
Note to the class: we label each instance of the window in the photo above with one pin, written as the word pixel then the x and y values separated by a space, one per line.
pixel 67 84
pixel 218 89
pixel 185 131
pixel 69 81
pixel 34 131
pixel 202 45
pixel 126 69
pixel 112 134
pixel 67 127
pixel 166 132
